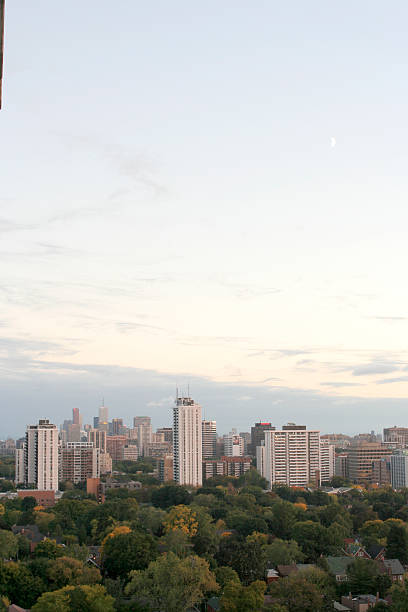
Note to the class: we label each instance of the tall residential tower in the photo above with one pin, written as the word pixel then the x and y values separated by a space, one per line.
pixel 187 442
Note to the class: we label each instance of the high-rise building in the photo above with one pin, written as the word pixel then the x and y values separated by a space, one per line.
pixel 79 461
pixel 398 435
pixel 327 460
pixel 114 445
pixel 117 427
pixel 360 460
pixel 165 468
pixel 41 456
pixel 399 469
pixel 20 471
pixel 187 442
pixel 258 435
pixel 130 452
pixel 233 445
pixel 167 432
pixel 98 439
pixel 292 456
pixel 209 437
pixel 103 415
pixel 143 426
pixel 341 466
pixel 226 466
pixel 76 416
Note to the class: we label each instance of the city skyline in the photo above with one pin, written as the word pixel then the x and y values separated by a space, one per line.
pixel 227 208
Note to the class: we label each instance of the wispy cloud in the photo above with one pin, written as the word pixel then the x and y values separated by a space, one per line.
pixel 339 385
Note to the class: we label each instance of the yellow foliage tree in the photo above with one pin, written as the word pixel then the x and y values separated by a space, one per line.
pixel 300 505
pixel 181 518
pixel 117 531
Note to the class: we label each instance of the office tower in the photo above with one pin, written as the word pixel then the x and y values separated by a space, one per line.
pixel 114 445
pixel 167 432
pixel 78 461
pixel 381 471
pixel 360 460
pixel 157 449
pixel 396 435
pixel 209 437
pixel 143 426
pixel 96 422
pixel 246 436
pixel 399 469
pixel 117 427
pixel 75 416
pixel 257 435
pixel 41 456
pixel 292 456
pixel 327 461
pixel 341 466
pixel 187 442
pixel 226 466
pixel 98 439
pixel 73 432
pixel 103 415
pixel 233 445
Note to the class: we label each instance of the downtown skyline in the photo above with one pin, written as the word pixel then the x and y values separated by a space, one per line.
pixel 227 209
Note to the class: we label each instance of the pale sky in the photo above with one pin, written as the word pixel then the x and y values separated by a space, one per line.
pixel 205 192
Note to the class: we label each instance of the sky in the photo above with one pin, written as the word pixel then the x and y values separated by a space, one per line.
pixel 210 194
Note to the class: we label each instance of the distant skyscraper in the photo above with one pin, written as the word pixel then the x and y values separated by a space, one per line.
pixel 233 445
pixel 79 461
pixel 399 469
pixel 143 426
pixel 98 438
pixel 103 414
pixel 258 435
pixel 187 442
pixel 327 460
pixel 209 437
pixel 75 416
pixel 41 456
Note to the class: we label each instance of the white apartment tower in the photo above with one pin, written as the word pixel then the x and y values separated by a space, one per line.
pixel 41 456
pixel 209 435
pixel 327 460
pixel 292 456
pixel 187 442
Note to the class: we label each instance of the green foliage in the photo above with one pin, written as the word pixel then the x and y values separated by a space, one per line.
pixel 397 543
pixel 364 577
pixel 8 545
pixel 247 558
pixel 298 593
pixel 238 598
pixel 126 552
pixel 283 552
pixel 170 495
pixel 85 598
pixel 224 575
pixel 171 584
pixel 19 585
pixel 49 549
pixel 66 571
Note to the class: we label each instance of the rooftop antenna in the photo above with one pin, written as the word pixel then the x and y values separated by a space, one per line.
pixel 188 390
pixel 2 3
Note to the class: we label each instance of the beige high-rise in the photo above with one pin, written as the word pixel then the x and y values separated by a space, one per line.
pixel 187 442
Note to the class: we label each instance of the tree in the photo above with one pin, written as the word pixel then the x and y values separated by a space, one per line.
pixel 397 544
pixel 19 585
pixel 297 593
pixel 364 577
pixel 49 549
pixel 85 598
pixel 170 495
pixel 225 574
pixel 181 518
pixel 8 544
pixel 238 598
pixel 283 552
pixel 128 551
pixel 283 519
pixel 66 571
pixel 399 594
pixel 246 558
pixel 171 584
pixel 176 542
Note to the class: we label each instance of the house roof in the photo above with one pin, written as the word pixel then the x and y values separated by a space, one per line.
pixel 215 603
pixel 374 550
pixel 31 532
pixel 287 570
pixel 338 606
pixel 395 566
pixel 338 565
